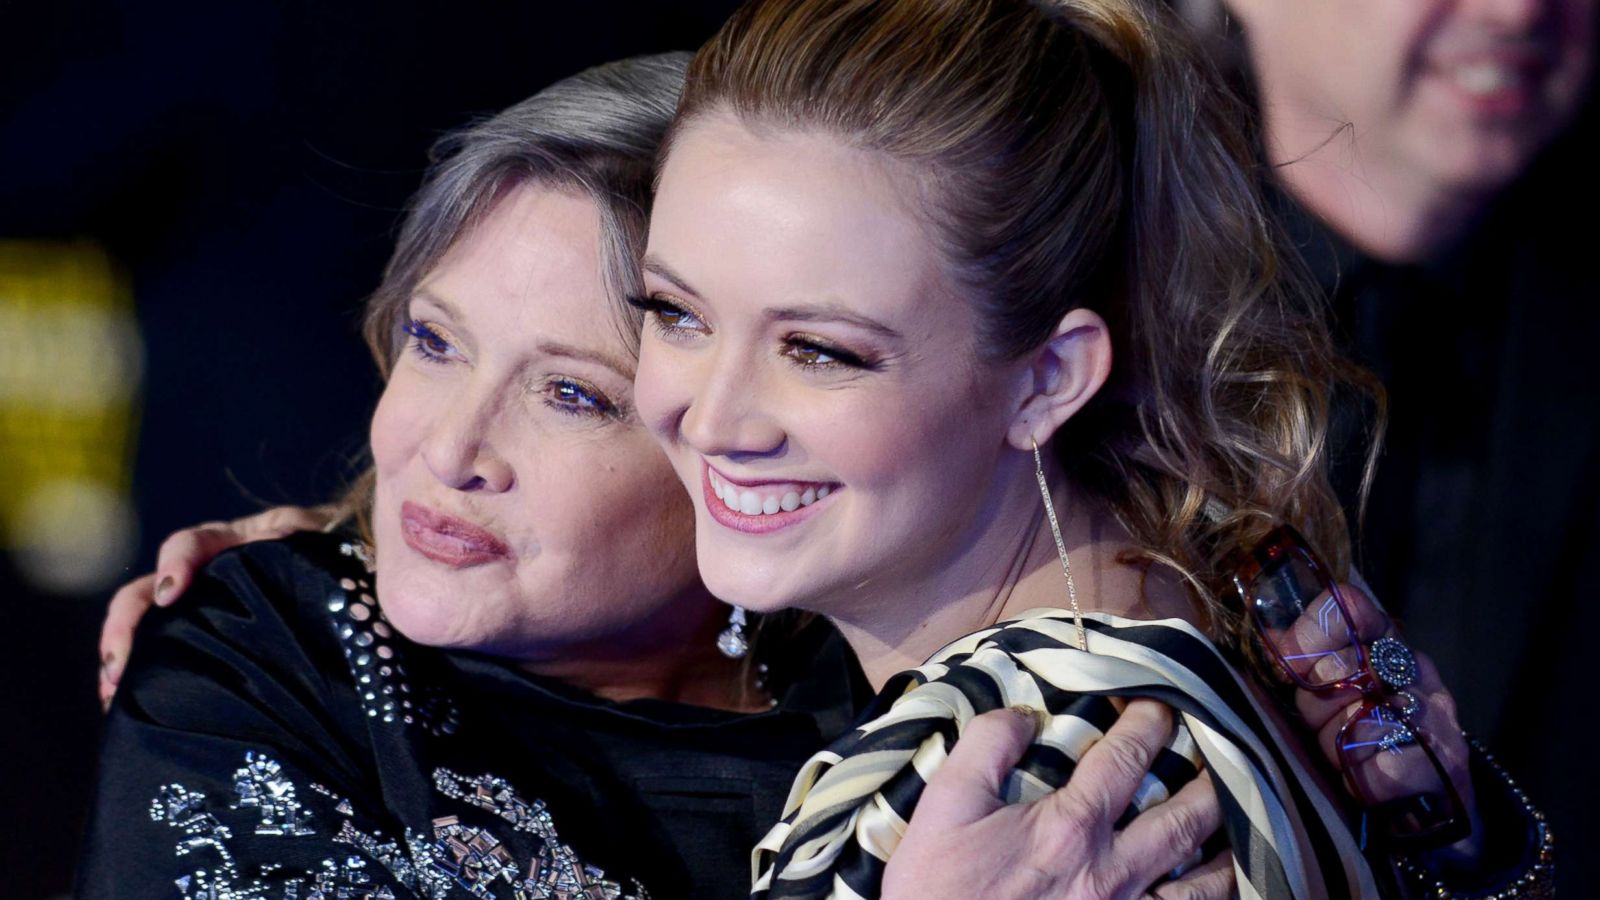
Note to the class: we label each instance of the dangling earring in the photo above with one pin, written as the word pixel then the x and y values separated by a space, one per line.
pixel 1061 546
pixel 732 642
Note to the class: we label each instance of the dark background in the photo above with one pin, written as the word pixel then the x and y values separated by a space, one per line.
pixel 244 163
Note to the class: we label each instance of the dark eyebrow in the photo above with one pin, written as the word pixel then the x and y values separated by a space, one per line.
pixel 812 312
pixel 556 348
pixel 547 347
pixel 656 266
pixel 444 305
pixel 832 312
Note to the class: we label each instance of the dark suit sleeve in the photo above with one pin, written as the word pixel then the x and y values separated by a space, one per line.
pixel 235 756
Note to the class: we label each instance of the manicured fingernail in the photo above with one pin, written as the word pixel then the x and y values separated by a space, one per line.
pixel 164 590
pixel 111 668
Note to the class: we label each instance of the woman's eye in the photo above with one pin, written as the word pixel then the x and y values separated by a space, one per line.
pixel 809 353
pixel 668 316
pixel 427 342
pixel 577 398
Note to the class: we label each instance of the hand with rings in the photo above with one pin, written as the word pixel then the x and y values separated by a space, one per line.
pixel 1381 756
pixel 965 841
pixel 1381 715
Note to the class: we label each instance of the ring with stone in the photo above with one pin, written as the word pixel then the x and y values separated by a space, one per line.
pixel 1396 738
pixel 1405 703
pixel 1393 662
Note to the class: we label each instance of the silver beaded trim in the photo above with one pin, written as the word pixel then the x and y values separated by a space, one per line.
pixel 371 649
pixel 1536 882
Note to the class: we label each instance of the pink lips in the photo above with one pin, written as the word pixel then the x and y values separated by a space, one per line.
pixel 738 521
pixel 1515 93
pixel 447 539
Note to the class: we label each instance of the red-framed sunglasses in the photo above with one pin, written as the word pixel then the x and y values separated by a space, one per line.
pixel 1311 630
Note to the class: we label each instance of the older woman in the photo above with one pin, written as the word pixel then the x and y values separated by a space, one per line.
pixel 284 734
pixel 517 691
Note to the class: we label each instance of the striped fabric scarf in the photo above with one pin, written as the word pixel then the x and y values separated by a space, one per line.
pixel 849 806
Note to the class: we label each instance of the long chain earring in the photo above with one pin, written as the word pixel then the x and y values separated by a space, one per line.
pixel 1061 546
pixel 732 641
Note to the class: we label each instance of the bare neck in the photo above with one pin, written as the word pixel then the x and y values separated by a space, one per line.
pixel 1371 198
pixel 1010 567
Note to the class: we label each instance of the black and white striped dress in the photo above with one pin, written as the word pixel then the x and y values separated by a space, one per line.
pixel 850 803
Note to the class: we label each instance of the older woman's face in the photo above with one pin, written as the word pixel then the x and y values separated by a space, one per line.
pixel 521 508
pixel 815 383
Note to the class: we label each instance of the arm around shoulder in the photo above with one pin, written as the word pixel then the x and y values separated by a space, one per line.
pixel 231 755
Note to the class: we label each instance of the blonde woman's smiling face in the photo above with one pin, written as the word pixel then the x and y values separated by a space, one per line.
pixel 811 372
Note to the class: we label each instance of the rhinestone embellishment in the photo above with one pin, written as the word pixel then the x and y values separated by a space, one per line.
pixel 732 642
pixel 1405 703
pixel 1393 662
pixel 373 653
pixel 457 859
pixel 554 873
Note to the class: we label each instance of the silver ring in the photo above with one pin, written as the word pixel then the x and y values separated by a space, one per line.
pixel 1397 738
pixel 1393 661
pixel 1405 703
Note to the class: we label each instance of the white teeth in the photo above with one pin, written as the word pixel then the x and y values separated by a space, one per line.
pixel 1485 78
pixel 751 503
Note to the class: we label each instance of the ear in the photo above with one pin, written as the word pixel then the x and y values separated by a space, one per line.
pixel 1065 373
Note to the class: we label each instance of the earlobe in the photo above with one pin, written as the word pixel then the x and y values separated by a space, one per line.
pixel 1065 373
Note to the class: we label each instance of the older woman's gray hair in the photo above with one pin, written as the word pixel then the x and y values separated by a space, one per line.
pixel 596 132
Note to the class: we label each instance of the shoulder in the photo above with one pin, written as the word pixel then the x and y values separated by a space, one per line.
pixel 258 628
pixel 1124 655
pixel 239 693
pixel 265 591
pixel 301 570
pixel 1034 660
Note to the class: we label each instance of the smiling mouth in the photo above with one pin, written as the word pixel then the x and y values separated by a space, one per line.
pixel 759 507
pixel 1495 85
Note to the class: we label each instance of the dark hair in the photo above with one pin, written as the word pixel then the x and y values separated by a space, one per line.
pixel 596 133
pixel 1081 153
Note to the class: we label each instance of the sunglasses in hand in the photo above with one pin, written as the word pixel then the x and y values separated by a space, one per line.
pixel 1328 641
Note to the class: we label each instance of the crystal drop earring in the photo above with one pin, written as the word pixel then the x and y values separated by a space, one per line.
pixel 732 641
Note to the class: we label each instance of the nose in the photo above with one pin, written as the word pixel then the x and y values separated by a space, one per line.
pixel 459 448
pixel 730 411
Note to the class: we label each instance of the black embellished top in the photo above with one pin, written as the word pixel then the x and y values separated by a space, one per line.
pixel 273 737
